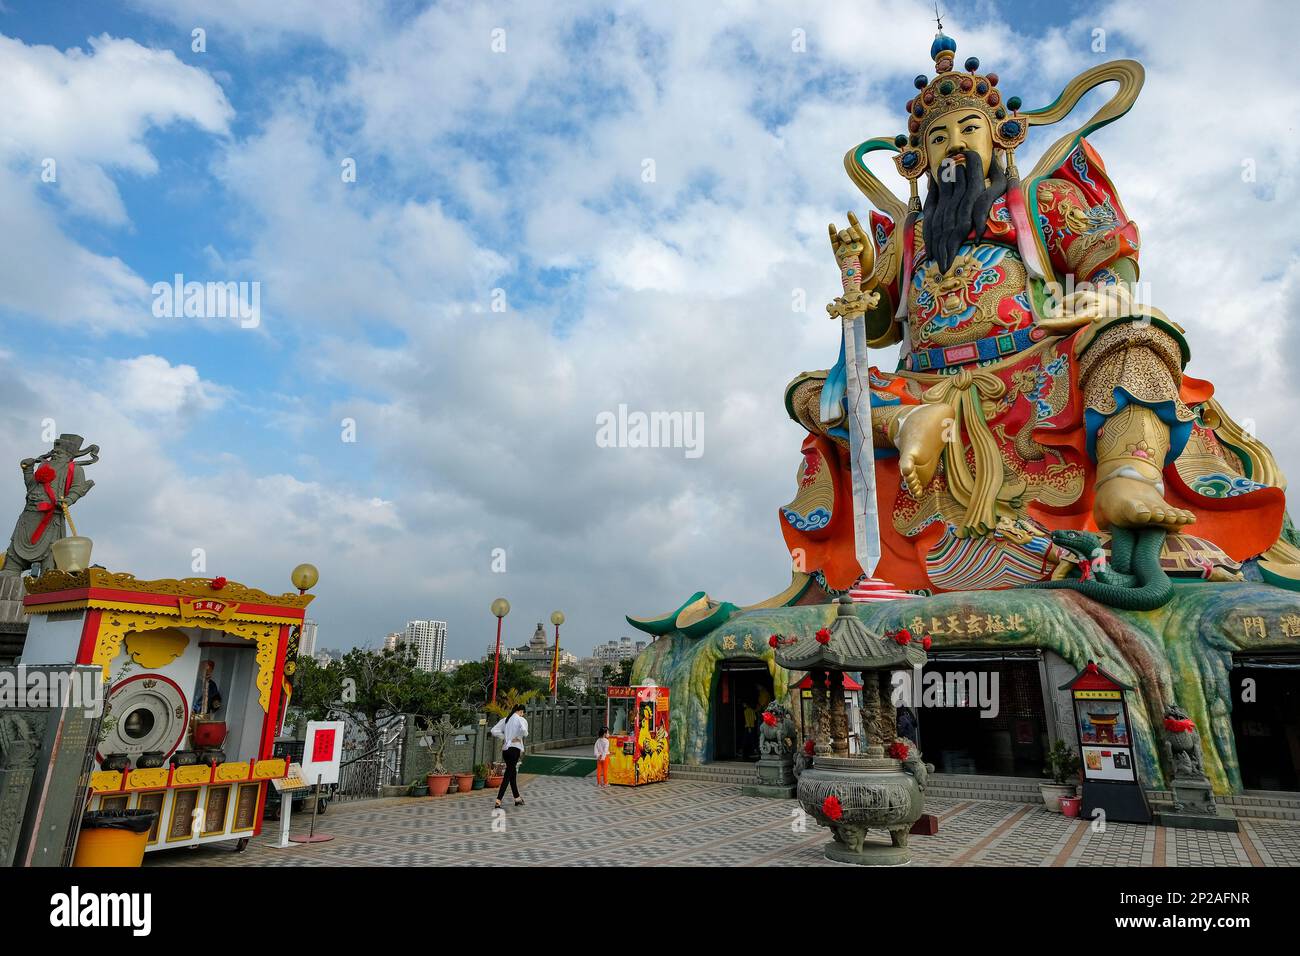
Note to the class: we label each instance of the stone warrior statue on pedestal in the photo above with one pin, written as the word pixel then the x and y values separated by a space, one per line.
pixel 55 481
pixel 1033 395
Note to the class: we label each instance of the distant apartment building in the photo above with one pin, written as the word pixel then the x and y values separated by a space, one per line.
pixel 428 639
pixel 507 653
pixel 307 639
pixel 392 641
pixel 449 666
pixel 615 652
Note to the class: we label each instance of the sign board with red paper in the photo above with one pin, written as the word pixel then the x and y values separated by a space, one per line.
pixel 323 751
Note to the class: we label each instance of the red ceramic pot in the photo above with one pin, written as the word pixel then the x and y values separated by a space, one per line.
pixel 439 784
pixel 1070 806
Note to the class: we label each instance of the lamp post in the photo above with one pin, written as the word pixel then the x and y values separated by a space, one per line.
pixel 557 618
pixel 500 607
pixel 304 577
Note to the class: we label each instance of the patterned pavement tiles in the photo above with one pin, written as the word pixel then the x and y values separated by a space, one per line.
pixel 568 822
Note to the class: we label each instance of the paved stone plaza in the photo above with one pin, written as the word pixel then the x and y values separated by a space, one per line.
pixel 568 822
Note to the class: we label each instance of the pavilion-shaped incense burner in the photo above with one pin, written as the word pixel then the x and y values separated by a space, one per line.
pixel 881 787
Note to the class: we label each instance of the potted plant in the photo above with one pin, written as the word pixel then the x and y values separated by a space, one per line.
pixel 464 781
pixel 480 776
pixel 1062 767
pixel 496 773
pixel 439 778
pixel 420 788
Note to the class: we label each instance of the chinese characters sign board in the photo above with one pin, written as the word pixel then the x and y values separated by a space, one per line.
pixel 323 751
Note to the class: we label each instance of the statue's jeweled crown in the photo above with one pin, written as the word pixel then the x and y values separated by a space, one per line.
pixel 951 90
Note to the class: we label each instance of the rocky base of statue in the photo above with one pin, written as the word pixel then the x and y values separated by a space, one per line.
pixel 775 777
pixel 1165 654
pixel 852 796
pixel 1194 808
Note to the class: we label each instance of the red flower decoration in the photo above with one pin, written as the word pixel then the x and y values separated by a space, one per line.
pixel 218 583
pixel 772 641
pixel 823 636
pixel 769 719
pixel 926 642
pixel 808 746
pixel 45 474
pixel 831 807
pixel 898 750
pixel 1091 668
pixel 903 637
pixel 1179 726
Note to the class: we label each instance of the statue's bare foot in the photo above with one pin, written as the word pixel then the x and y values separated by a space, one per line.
pixel 920 442
pixel 1133 503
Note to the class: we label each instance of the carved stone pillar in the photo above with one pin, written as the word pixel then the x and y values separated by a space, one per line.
pixel 888 713
pixel 839 716
pixel 821 715
pixel 871 716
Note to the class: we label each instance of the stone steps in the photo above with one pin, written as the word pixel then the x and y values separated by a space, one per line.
pixel 962 786
pixel 737 776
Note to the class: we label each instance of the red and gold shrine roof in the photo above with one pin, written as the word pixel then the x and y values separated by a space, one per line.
pixel 98 588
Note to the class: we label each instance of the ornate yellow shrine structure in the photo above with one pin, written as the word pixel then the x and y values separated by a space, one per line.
pixel 197 675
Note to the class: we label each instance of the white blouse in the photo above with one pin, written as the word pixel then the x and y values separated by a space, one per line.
pixel 512 732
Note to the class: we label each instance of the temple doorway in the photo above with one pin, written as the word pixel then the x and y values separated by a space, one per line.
pixel 743 689
pixel 1267 727
pixel 992 721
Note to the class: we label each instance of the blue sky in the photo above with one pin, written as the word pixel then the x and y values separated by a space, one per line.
pixel 521 171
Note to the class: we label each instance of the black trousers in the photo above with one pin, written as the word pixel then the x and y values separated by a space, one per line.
pixel 511 756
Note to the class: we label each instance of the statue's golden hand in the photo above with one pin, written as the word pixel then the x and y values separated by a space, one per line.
pixel 856 258
pixel 853 251
pixel 1085 306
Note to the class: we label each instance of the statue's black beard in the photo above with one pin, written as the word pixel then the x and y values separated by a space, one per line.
pixel 953 209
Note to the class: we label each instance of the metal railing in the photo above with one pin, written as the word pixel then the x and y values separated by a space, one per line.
pixel 368 767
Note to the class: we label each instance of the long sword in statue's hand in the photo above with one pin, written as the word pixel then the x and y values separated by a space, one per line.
pixel 856 257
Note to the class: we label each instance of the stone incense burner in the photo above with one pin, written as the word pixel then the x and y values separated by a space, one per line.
pixel 881 788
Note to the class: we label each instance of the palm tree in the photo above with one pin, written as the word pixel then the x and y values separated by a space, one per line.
pixel 509 700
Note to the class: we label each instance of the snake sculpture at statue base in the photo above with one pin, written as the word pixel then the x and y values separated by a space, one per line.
pixel 1132 580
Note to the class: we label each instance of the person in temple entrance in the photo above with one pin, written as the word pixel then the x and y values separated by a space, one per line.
pixel 207 695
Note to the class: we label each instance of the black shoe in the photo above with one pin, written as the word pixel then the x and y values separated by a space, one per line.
pixel 519 801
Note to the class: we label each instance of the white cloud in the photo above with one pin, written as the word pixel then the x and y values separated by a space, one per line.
pixel 150 385
pixel 70 119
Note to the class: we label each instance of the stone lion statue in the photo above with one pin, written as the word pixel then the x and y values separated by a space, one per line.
pixel 776 734
pixel 1183 743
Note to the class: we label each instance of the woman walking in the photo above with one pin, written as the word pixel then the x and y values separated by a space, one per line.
pixel 512 730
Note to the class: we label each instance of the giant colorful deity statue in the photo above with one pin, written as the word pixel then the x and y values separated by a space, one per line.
pixel 1033 394
pixel 1039 431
